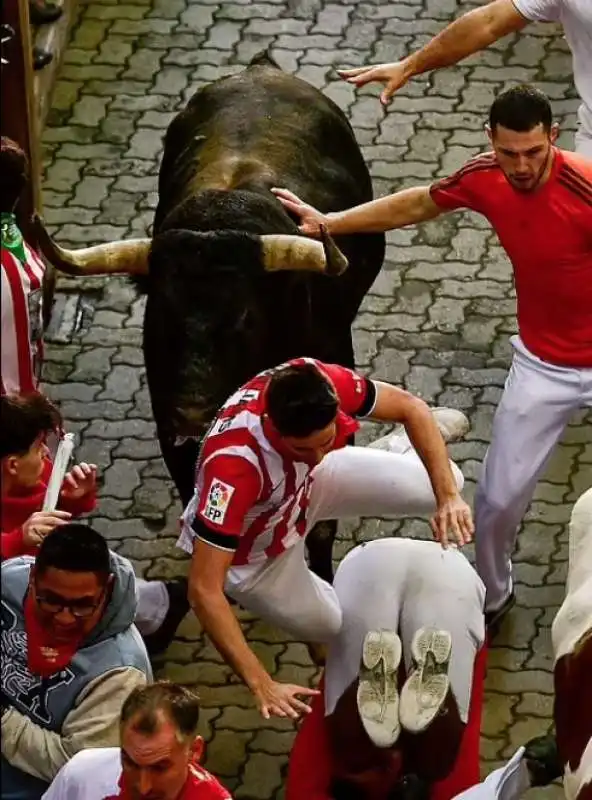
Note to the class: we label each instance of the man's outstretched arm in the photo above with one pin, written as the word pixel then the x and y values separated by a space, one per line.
pixel 206 595
pixel 469 34
pixel 393 211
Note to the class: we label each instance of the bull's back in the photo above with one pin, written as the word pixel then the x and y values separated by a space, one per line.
pixel 266 127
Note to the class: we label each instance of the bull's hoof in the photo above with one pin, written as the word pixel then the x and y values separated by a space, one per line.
pixel 542 760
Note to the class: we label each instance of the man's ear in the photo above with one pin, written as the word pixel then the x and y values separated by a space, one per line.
pixel 489 133
pixel 197 749
pixel 10 464
pixel 554 132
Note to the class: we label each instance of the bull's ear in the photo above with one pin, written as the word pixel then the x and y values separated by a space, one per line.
pixel 126 256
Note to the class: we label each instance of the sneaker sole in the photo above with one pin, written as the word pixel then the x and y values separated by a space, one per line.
pixel 425 691
pixel 377 695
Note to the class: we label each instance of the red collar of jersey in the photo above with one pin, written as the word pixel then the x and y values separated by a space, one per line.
pixel 346 427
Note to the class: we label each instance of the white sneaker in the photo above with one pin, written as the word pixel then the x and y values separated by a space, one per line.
pixel 377 696
pixel 427 686
pixel 453 425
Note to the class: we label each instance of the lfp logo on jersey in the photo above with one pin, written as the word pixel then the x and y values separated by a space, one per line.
pixel 218 500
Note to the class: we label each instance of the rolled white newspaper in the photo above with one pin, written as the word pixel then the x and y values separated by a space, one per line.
pixel 58 472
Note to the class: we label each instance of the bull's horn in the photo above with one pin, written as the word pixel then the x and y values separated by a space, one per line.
pixel 285 252
pixel 129 256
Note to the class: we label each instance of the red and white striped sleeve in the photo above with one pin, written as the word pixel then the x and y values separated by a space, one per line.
pixel 22 321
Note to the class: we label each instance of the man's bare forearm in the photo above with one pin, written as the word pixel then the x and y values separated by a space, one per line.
pixel 394 211
pixel 467 35
pixel 429 445
pixel 218 620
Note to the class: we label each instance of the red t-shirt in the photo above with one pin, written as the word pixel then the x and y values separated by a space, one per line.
pixel 547 235
pixel 16 509
pixel 251 494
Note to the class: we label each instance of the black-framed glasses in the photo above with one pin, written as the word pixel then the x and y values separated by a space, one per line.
pixel 80 609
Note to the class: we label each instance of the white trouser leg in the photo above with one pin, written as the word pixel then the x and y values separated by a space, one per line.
pixel 536 405
pixel 153 605
pixel 446 593
pixel 351 482
pixel 369 584
pixel 361 482
pixel 507 783
pixel 583 137
pixel 284 592
pixel 403 585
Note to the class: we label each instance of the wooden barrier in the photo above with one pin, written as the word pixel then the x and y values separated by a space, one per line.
pixel 26 99
pixel 19 119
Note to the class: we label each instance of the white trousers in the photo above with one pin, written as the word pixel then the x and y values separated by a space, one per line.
pixel 584 132
pixel 153 604
pixel 538 401
pixel 404 585
pixel 351 482
pixel 507 783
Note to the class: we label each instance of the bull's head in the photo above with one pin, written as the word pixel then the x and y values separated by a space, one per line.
pixel 279 252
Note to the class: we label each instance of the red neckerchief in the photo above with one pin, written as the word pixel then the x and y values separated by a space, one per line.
pixel 45 656
pixel 200 785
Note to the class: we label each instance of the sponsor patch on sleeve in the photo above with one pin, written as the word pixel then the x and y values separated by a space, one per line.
pixel 216 506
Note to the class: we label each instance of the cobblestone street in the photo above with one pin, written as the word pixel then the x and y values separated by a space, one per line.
pixel 437 321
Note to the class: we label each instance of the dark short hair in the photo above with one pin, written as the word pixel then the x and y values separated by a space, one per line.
pixel 14 169
pixel 145 704
pixel 521 108
pixel 74 548
pixel 24 418
pixel 300 400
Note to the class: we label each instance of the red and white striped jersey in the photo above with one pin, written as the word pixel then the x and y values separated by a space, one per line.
pixel 22 321
pixel 251 496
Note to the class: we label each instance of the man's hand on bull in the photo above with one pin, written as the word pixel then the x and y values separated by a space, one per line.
pixel 310 219
pixel 282 699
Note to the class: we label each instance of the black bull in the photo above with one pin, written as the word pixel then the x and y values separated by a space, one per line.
pixel 224 298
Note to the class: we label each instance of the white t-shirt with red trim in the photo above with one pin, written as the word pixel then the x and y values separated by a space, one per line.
pixel 251 496
pixel 22 321
pixel 576 18
pixel 95 775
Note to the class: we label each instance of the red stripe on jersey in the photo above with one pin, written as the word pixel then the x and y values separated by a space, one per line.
pixel 281 528
pixel 20 309
pixel 235 437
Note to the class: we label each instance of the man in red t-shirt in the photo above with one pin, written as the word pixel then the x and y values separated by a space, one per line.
pixel 272 465
pixel 539 200
pixel 159 756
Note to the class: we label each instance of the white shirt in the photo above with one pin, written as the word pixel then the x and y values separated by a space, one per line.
pixel 94 775
pixel 576 18
pixel 89 775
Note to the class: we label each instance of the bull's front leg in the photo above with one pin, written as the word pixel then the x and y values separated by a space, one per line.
pixel 319 544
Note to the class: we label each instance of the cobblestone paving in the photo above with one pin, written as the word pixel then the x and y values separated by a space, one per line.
pixel 437 320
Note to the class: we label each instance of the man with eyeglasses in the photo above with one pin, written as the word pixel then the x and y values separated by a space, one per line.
pixel 70 655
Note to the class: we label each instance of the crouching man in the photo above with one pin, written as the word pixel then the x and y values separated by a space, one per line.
pixel 412 618
pixel 70 655
pixel 158 758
